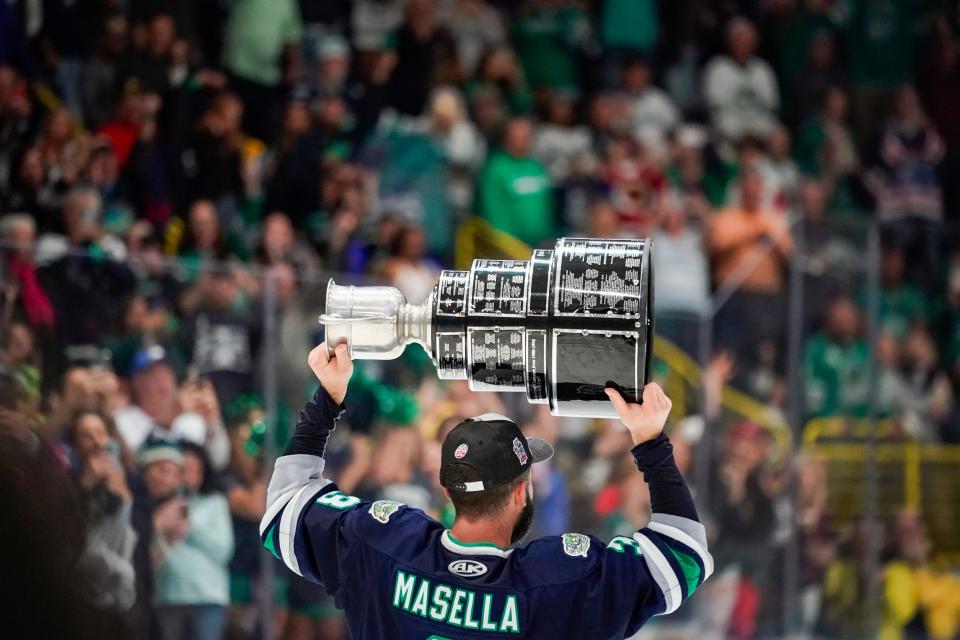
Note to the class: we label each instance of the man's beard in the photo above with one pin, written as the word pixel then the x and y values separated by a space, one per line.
pixel 524 522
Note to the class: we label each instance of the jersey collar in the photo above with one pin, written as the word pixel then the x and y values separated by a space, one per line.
pixel 472 548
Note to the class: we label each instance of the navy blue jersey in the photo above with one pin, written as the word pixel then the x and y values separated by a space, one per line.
pixel 397 573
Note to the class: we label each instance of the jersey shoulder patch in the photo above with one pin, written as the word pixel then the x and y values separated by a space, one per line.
pixel 381 510
pixel 575 544
pixel 392 528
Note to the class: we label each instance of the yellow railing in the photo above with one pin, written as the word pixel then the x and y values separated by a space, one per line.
pixel 684 372
pixel 477 239
pixel 909 475
pixel 819 429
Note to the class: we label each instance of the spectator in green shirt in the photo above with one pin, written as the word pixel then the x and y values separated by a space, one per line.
pixel 259 36
pixel 548 36
pixel 514 193
pixel 901 303
pixel 880 56
pixel 825 149
pixel 837 364
pixel 628 28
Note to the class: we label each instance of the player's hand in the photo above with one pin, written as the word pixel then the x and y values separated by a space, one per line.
pixel 332 372
pixel 644 421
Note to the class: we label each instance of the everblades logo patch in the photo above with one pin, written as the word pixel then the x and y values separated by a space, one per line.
pixel 467 568
pixel 520 451
pixel 381 510
pixel 575 544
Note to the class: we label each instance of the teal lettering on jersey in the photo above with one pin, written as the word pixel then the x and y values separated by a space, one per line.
pixel 620 544
pixel 456 607
pixel 338 500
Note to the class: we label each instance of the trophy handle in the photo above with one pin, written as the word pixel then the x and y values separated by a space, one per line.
pixel 326 318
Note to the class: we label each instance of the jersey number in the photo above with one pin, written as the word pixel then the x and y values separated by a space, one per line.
pixel 620 544
pixel 338 500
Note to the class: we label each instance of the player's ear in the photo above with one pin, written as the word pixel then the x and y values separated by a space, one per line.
pixel 520 493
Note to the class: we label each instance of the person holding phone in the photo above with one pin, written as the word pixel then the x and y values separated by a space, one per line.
pixel 107 504
pixel 191 586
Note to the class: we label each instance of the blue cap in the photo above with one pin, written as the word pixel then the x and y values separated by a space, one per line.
pixel 147 357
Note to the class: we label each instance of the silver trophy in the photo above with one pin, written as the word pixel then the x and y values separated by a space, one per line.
pixel 561 326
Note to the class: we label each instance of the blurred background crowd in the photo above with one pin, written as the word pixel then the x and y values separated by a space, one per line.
pixel 179 178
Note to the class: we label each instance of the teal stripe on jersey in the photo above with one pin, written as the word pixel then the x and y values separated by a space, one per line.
pixel 690 568
pixel 270 541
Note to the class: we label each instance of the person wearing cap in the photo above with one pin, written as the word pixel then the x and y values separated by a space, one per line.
pixel 397 573
pixel 159 517
pixel 162 410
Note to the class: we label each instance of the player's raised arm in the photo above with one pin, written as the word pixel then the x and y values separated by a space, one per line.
pixel 298 481
pixel 659 566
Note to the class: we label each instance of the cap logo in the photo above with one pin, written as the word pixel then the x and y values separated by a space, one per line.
pixel 461 451
pixel 520 451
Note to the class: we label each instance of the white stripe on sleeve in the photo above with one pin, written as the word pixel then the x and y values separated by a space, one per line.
pixel 662 572
pixel 685 538
pixel 290 518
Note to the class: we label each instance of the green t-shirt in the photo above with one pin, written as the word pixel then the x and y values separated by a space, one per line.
pixel 795 48
pixel 806 151
pixel 836 377
pixel 899 308
pixel 514 196
pixel 547 41
pixel 952 356
pixel 412 174
pixel 629 24
pixel 255 35
pixel 880 42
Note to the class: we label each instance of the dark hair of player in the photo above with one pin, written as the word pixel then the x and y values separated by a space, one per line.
pixel 481 504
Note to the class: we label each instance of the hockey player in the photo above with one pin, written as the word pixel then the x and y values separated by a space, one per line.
pixel 398 574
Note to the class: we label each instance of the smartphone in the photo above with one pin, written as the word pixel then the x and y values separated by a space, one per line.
pixel 113 450
pixel 89 355
pixel 193 376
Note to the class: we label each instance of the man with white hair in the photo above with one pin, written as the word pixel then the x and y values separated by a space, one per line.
pixel 83 270
pixel 18 233
pixel 82 220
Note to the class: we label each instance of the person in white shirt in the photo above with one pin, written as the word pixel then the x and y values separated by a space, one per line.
pixel 653 115
pixel 475 26
pixel 446 121
pixel 740 89
pixel 683 274
pixel 563 147
pixel 162 411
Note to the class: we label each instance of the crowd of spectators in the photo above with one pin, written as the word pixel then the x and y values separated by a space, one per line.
pixel 179 178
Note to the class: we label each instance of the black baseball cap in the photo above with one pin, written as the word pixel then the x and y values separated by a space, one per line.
pixel 488 451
